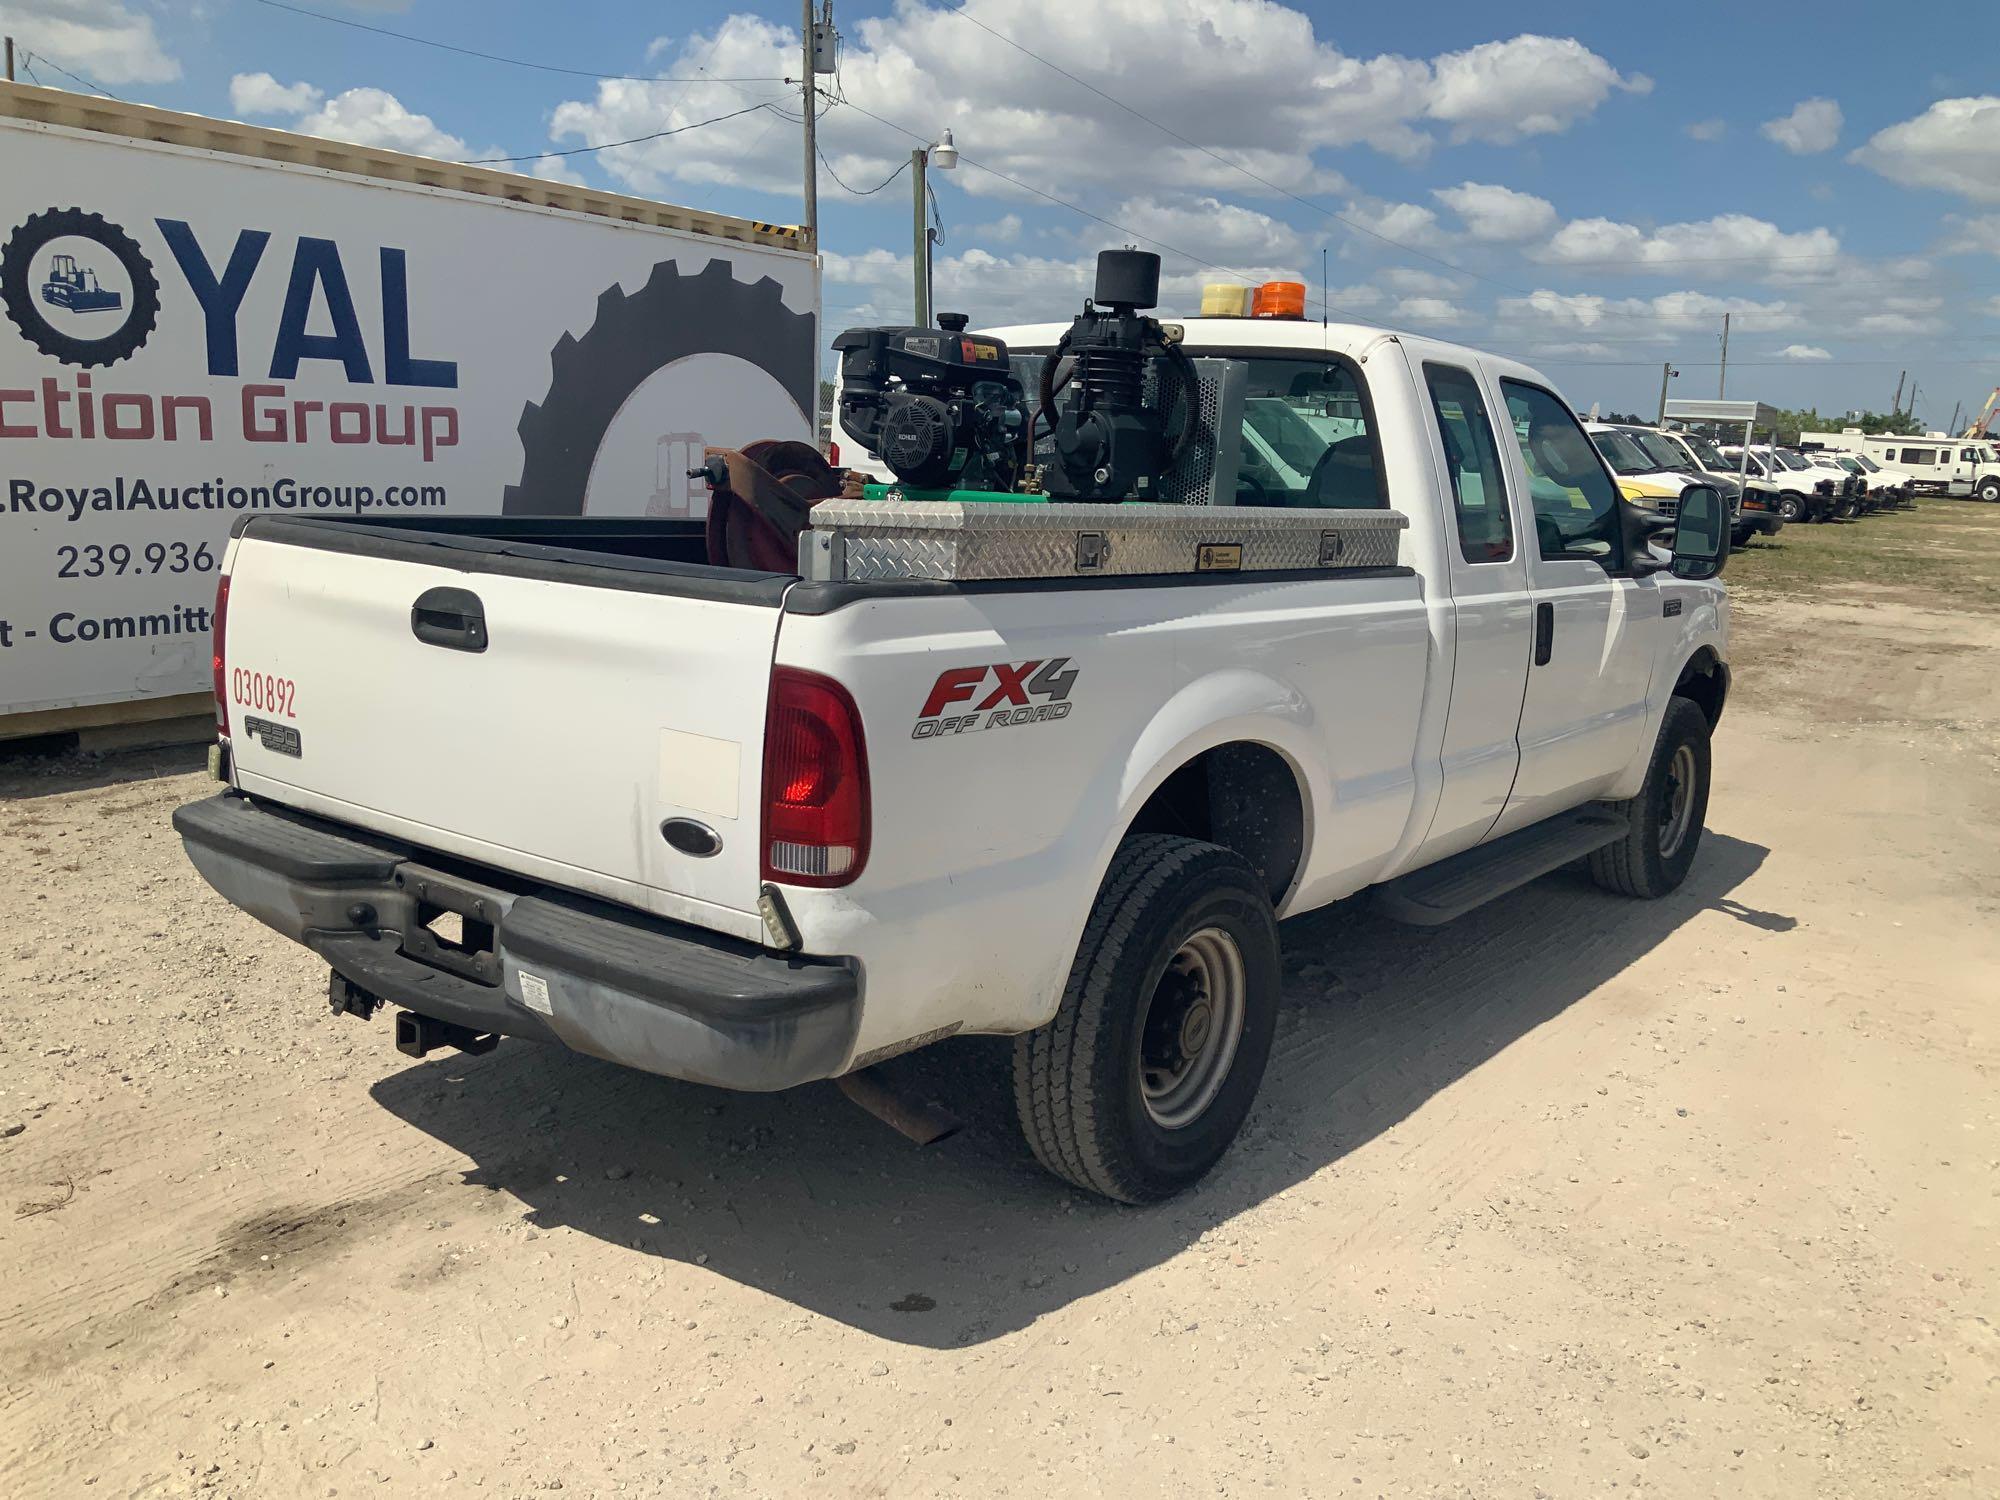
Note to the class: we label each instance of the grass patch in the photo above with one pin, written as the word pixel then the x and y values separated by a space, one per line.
pixel 1948 547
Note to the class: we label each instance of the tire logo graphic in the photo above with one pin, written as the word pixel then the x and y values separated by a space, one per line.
pixel 673 316
pixel 61 302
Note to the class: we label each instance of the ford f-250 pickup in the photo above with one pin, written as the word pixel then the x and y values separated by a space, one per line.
pixel 567 780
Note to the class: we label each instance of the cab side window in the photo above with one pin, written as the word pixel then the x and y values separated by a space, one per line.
pixel 1472 461
pixel 1575 502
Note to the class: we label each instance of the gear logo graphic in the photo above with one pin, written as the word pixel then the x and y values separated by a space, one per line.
pixel 61 304
pixel 673 316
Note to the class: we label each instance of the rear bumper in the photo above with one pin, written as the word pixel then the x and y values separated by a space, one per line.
pixel 604 980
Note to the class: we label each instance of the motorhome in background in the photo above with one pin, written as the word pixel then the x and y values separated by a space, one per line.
pixel 1936 463
pixel 206 320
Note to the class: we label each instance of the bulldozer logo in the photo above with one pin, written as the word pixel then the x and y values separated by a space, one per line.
pixel 52 285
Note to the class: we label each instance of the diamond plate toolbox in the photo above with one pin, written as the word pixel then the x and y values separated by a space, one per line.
pixel 953 541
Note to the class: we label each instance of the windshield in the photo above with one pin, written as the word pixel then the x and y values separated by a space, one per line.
pixel 1868 463
pixel 1849 464
pixel 1790 460
pixel 1624 455
pixel 1664 451
pixel 1705 454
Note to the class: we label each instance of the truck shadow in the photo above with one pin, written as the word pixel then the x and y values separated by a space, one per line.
pixel 804 1197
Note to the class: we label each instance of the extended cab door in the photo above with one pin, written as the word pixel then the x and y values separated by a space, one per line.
pixel 1492 609
pixel 1595 627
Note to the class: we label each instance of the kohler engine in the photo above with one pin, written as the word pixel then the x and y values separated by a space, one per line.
pixel 1134 389
pixel 941 407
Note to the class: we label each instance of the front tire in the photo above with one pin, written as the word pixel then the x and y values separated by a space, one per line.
pixel 1145 1075
pixel 1666 817
pixel 1792 509
pixel 1989 488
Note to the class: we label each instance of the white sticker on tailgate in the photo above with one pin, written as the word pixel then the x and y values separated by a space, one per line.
pixel 699 773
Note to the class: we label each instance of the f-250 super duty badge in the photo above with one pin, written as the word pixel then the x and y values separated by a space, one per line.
pixel 970 700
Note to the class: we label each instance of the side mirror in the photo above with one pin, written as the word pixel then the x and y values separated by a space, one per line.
pixel 1701 533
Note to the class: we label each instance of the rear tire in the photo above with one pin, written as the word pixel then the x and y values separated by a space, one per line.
pixel 1147 1072
pixel 1666 817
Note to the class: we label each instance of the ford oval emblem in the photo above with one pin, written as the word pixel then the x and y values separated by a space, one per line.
pixel 691 837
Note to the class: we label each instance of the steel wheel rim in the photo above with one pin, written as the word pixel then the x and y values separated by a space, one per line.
pixel 1677 809
pixel 1191 1028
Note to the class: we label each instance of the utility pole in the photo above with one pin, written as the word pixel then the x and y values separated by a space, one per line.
pixel 1722 379
pixel 1913 400
pixel 812 131
pixel 1667 372
pixel 922 253
pixel 1896 406
pixel 1955 408
pixel 10 59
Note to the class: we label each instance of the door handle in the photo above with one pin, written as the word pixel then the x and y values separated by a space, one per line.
pixel 1545 633
pixel 452 618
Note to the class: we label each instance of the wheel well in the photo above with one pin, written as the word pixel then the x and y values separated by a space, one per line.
pixel 1704 682
pixel 1243 796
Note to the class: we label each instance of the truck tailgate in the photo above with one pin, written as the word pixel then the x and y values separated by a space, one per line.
pixel 547 719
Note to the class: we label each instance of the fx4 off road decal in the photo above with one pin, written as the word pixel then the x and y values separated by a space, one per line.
pixel 970 700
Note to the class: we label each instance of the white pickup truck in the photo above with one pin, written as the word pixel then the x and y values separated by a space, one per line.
pixel 567 780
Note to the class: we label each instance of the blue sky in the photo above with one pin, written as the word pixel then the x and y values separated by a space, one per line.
pixel 1588 187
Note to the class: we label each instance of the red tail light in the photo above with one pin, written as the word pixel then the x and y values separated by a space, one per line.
pixel 815 782
pixel 221 624
pixel 832 453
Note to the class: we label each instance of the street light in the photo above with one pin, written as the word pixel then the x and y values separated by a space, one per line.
pixel 942 154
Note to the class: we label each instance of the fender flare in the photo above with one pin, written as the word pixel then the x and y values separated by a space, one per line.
pixel 1704 633
pixel 1234 706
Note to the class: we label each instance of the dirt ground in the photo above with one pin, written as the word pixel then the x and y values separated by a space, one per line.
pixel 1578 1197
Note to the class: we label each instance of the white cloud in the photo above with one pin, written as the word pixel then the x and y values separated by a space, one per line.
pixel 1405 223
pixel 1430 310
pixel 549 169
pixel 1498 214
pixel 1711 129
pixel 1739 242
pixel 1975 236
pixel 374 117
pixel 261 94
pixel 1902 315
pixel 1250 80
pixel 1804 351
pixel 1414 282
pixel 1641 319
pixel 1533 85
pixel 1002 231
pixel 1224 233
pixel 105 41
pixel 998 290
pixel 1954 145
pixel 1812 126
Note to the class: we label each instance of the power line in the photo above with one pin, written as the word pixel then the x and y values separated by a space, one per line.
pixel 637 140
pixel 860 192
pixel 512 62
pixel 73 78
